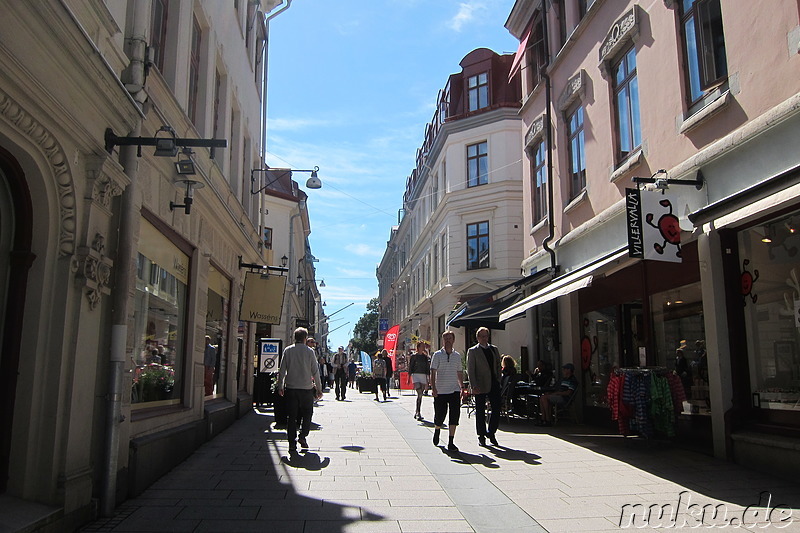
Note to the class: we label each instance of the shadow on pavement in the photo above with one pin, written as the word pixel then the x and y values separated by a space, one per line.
pixel 235 482
pixel 672 461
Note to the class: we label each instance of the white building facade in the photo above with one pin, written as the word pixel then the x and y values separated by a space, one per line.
pixel 460 236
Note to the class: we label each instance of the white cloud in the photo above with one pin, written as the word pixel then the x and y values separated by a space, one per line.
pixel 364 250
pixel 466 13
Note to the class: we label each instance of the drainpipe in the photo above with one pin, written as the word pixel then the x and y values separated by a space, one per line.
pixel 549 133
pixel 129 219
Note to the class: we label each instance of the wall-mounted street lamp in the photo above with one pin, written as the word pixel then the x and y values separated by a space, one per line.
pixel 166 145
pixel 274 174
pixel 185 179
pixel 167 142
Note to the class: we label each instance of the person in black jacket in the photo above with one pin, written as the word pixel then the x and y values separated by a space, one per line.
pixel 419 367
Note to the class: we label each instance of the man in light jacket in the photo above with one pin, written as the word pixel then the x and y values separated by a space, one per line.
pixel 298 375
pixel 483 371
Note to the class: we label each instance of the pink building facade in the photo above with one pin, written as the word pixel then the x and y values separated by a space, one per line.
pixel 698 100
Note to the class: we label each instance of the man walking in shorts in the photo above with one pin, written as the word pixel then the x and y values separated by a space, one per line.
pixel 447 381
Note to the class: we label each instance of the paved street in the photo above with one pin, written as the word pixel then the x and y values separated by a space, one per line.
pixel 371 467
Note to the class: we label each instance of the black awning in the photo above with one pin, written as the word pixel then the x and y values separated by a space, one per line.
pixel 484 310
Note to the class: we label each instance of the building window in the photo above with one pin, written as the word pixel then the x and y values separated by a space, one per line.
pixel 577 157
pixel 478 90
pixel 536 53
pixel 435 262
pixel 444 254
pixel 561 16
pixel 217 98
pixel 478 245
pixel 194 71
pixel 160 309
pixel 158 32
pixel 268 238
pixel 626 100
pixel 704 45
pixel 539 178
pixel 583 6
pixel 478 164
pixel 215 345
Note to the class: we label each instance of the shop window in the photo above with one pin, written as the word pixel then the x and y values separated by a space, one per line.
pixel 217 319
pixel 770 292
pixel 599 353
pixel 679 333
pixel 159 355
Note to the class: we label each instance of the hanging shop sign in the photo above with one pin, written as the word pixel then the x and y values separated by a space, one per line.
pixel 262 300
pixel 654 230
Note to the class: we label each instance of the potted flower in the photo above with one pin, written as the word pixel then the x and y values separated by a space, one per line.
pixel 156 382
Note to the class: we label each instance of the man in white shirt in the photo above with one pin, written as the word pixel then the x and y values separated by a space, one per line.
pixel 340 373
pixel 447 381
pixel 299 373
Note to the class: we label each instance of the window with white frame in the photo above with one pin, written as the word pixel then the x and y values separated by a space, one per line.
pixel 703 46
pixel 477 164
pixel 478 91
pixel 626 103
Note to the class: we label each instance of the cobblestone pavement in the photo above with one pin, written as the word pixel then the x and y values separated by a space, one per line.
pixel 372 467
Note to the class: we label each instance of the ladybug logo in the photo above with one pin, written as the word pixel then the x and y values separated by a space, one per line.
pixel 746 283
pixel 669 228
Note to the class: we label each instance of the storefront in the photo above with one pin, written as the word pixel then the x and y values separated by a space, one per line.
pixel 217 327
pixel 161 305
pixel 769 282
pixel 647 315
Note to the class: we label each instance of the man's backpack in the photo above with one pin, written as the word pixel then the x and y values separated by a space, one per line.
pixel 379 368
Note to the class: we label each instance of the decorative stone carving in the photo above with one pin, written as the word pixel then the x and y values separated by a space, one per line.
pixel 624 29
pixel 621 31
pixel 26 124
pixel 575 89
pixel 535 132
pixel 93 270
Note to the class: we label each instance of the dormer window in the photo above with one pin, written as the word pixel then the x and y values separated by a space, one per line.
pixel 478 90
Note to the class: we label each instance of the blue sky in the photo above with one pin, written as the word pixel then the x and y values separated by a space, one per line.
pixel 352 84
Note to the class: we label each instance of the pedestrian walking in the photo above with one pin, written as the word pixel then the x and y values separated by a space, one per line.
pixel 419 368
pixel 380 369
pixel 298 374
pixel 447 381
pixel 483 371
pixel 352 369
pixel 340 373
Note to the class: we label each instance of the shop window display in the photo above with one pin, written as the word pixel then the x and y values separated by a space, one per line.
pixel 158 359
pixel 680 343
pixel 599 353
pixel 217 321
pixel 770 293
